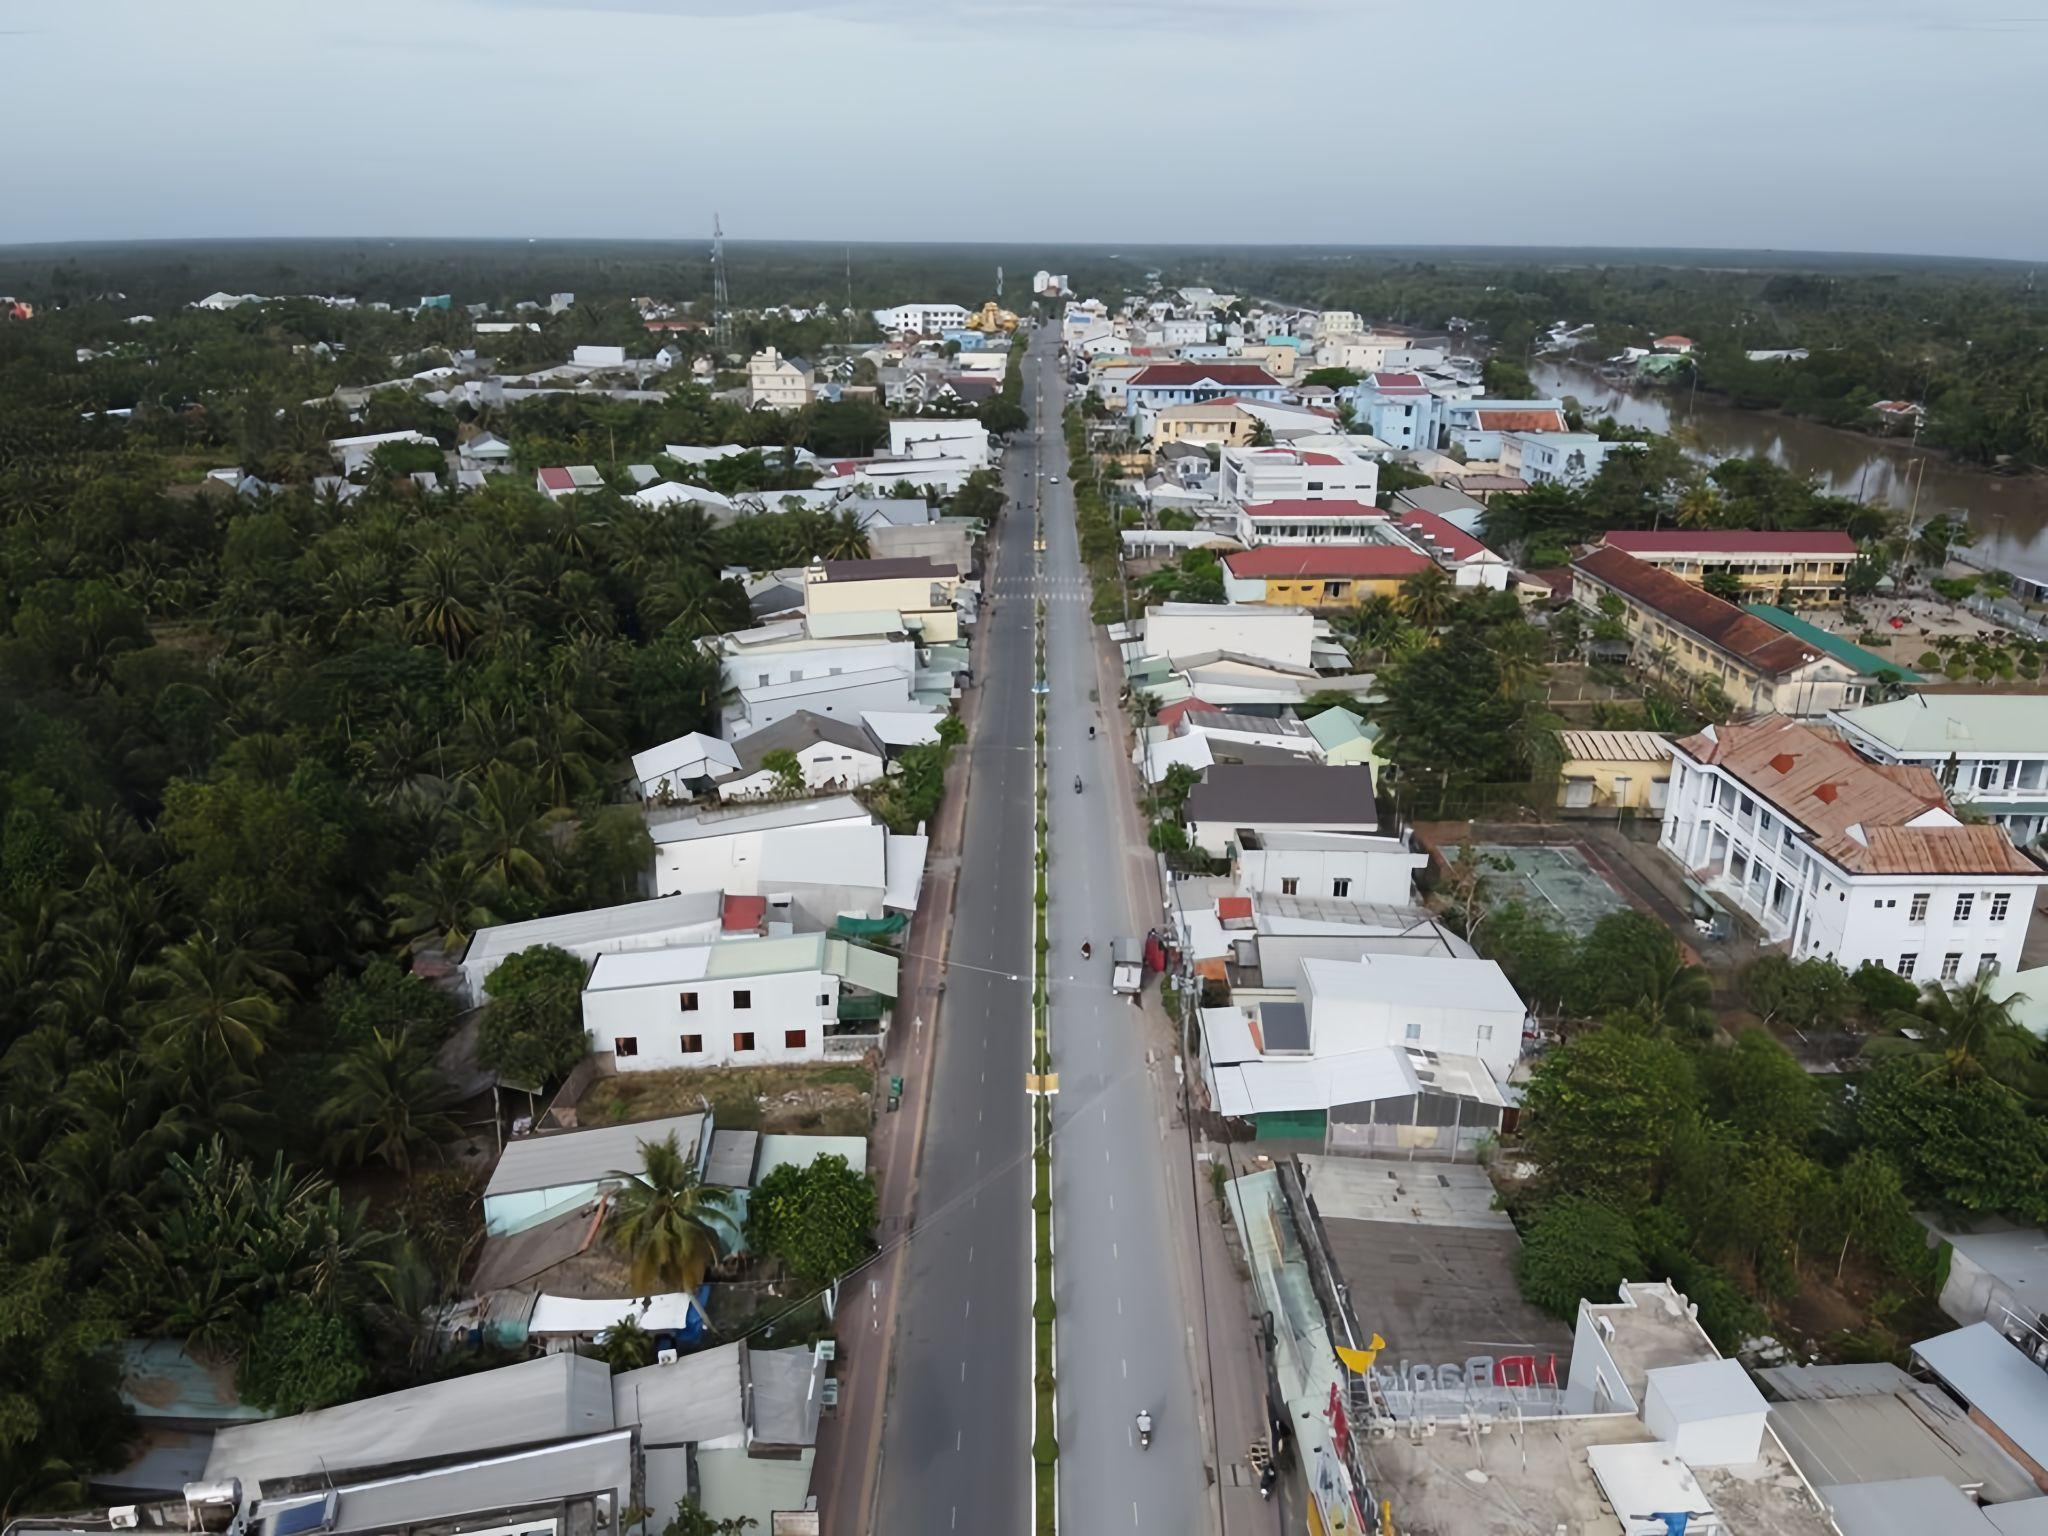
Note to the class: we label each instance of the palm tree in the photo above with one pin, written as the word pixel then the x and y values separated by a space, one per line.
pixel 1427 597
pixel 1699 506
pixel 210 1007
pixel 443 596
pixel 1969 1028
pixel 684 597
pixel 1371 626
pixel 664 1220
pixel 440 904
pixel 506 828
pixel 843 538
pixel 386 1103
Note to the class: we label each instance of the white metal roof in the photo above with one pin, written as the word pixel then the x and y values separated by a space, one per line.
pixel 903 727
pixel 727 821
pixel 627 969
pixel 851 854
pixel 1272 1087
pixel 1415 981
pixel 573 930
pixel 904 859
pixel 696 1399
pixel 695 755
pixel 667 1312
pixel 1997 1380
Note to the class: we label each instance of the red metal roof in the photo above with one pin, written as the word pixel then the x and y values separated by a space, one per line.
pixel 1170 374
pixel 1731 541
pixel 1233 907
pixel 1173 714
pixel 557 480
pixel 1320 458
pixel 1757 641
pixel 1521 421
pixel 1297 507
pixel 1441 534
pixel 743 914
pixel 1358 561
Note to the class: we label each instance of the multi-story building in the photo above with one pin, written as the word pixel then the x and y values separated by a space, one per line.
pixel 1557 458
pixel 1307 471
pixel 1474 426
pixel 1217 426
pixel 777 383
pixel 1806 569
pixel 1397 408
pixel 1839 858
pixel 1310 522
pixel 1682 633
pixel 1989 751
pixel 921 319
pixel 1162 384
pixel 1319 575
pixel 740 1002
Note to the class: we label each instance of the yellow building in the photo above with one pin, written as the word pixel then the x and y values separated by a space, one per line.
pixel 917 587
pixel 1809 568
pixel 992 318
pixel 1318 575
pixel 1614 771
pixel 1212 426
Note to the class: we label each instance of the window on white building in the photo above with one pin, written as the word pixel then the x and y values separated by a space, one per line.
pixel 1486 1031
pixel 1907 964
pixel 1951 964
pixel 1965 904
pixel 743 1041
pixel 1987 965
pixel 1289 885
pixel 1340 887
pixel 625 1045
pixel 2001 903
pixel 1917 912
pixel 1414 1032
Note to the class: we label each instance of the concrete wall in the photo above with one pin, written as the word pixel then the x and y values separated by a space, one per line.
pixel 653 1018
pixel 1381 872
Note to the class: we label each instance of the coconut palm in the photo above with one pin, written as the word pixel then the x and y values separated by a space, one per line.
pixel 506 828
pixel 664 1220
pixel 1427 597
pixel 386 1103
pixel 1967 1030
pixel 444 596
pixel 211 1009
pixel 440 904
pixel 842 538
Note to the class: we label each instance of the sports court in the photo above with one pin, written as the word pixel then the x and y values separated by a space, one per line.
pixel 1553 878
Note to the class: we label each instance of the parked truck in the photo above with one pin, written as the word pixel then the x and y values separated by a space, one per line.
pixel 1127 966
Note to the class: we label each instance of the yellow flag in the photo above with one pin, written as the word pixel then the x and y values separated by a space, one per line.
pixel 1359 1361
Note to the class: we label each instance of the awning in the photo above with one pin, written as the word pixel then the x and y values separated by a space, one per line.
pixel 869 927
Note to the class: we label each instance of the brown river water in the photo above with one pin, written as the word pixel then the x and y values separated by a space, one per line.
pixel 2009 513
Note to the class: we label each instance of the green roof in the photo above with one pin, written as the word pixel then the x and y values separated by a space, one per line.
pixel 1869 663
pixel 1335 726
pixel 1966 724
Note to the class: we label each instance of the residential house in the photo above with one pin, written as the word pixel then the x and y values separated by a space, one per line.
pixel 1684 633
pixel 597 357
pixel 946 541
pixel 1308 472
pixel 1179 631
pixel 1608 773
pixel 1474 427
pixel 921 590
pixel 935 437
pixel 568 480
pixel 831 755
pixel 1235 799
pixel 1839 858
pixel 1397 408
pixel 1469 562
pixel 777 383
pixel 1988 751
pixel 1446 1007
pixel 539 1178
pixel 1310 522
pixel 738 1002
pixel 1222 425
pixel 486 451
pixel 1806 569
pixel 812 861
pixel 1557 458
pixel 678 769
pixel 1319 575
pixel 1342 866
pixel 1347 738
pixel 1284 421
pixel 866 661
pixel 655 924
pixel 1462 511
pixel 1280 358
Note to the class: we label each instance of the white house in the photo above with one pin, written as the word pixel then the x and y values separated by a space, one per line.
pixel 774 669
pixel 598 357
pixel 831 755
pixel 1454 1007
pixel 813 861
pixel 558 481
pixel 1470 562
pixel 1342 866
pixel 938 474
pixel 1475 426
pixel 1557 458
pixel 777 383
pixel 674 769
pixel 921 319
pixel 1989 751
pixel 1310 522
pixel 1838 858
pixel 738 1002
pixel 354 453
pixel 843 696
pixel 633 925
pixel 1312 471
pixel 1235 799
pixel 1181 630
pixel 939 437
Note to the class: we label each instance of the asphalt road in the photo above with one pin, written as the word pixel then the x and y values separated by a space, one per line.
pixel 1125 1331
pixel 957 1436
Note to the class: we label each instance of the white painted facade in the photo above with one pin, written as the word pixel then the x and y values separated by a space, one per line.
pixel 774 383
pixel 921 319
pixel 1312 471
pixel 740 1020
pixel 826 765
pixel 1989 750
pixel 843 696
pixel 1926 926
pixel 1337 866
pixel 1556 458
pixel 1454 1007
pixel 1285 635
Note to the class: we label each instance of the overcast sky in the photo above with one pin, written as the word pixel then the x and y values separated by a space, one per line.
pixel 1874 125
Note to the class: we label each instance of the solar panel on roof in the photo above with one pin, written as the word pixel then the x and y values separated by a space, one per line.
pixel 308 1519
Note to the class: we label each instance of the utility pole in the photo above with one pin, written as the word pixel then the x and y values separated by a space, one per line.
pixel 721 303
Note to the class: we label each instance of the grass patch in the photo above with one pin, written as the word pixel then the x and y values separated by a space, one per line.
pixel 818 1098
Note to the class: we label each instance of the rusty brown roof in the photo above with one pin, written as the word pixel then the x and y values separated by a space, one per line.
pixel 1819 781
pixel 1755 641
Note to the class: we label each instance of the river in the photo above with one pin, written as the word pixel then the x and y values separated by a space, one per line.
pixel 2009 513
